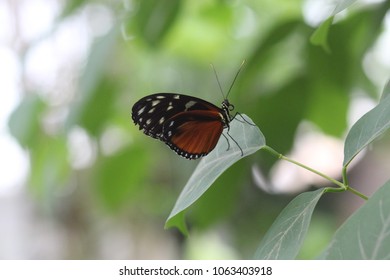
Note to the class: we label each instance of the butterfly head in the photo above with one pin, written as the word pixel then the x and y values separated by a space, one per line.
pixel 227 107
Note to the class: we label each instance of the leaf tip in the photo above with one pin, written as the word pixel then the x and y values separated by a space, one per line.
pixel 177 221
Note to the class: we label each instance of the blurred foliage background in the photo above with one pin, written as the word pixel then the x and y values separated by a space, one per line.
pixel 97 188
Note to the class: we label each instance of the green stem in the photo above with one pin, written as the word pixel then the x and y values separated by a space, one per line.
pixel 346 183
pixel 344 174
pixel 343 186
pixel 352 190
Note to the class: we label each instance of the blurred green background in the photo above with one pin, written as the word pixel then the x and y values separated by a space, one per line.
pixel 85 183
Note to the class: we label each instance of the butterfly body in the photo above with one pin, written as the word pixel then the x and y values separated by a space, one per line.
pixel 188 125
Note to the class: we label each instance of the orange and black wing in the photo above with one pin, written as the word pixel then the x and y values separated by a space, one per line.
pixel 193 134
pixel 152 111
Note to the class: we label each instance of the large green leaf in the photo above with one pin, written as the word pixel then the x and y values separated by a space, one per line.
pixel 366 129
pixel 366 234
pixel 386 91
pixel 250 139
pixel 286 235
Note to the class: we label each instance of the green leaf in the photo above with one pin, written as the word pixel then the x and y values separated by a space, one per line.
pixel 324 96
pixel 179 222
pixel 118 183
pixel 100 55
pixel 24 122
pixel 102 99
pixel 250 139
pixel 286 235
pixel 366 234
pixel 273 111
pixel 154 19
pixel 342 5
pixel 366 129
pixel 49 165
pixel 320 36
pixel 386 91
pixel 265 49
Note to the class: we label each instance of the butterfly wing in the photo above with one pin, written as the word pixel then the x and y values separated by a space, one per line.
pixel 193 134
pixel 152 111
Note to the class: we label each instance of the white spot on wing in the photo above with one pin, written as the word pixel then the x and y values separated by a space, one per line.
pixel 152 110
pixel 161 120
pixel 189 104
pixel 140 111
pixel 155 102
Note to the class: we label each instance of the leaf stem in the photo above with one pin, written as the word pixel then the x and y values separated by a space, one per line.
pixel 346 183
pixel 344 174
pixel 342 186
pixel 352 190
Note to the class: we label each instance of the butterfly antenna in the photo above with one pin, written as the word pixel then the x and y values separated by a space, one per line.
pixel 235 77
pixel 219 84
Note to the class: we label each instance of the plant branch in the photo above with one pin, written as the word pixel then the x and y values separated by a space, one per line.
pixel 342 186
pixel 344 174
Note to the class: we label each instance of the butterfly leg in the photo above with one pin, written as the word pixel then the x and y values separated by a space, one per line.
pixel 227 132
pixel 243 119
pixel 227 140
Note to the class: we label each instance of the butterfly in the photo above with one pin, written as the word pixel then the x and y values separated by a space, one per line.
pixel 188 125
